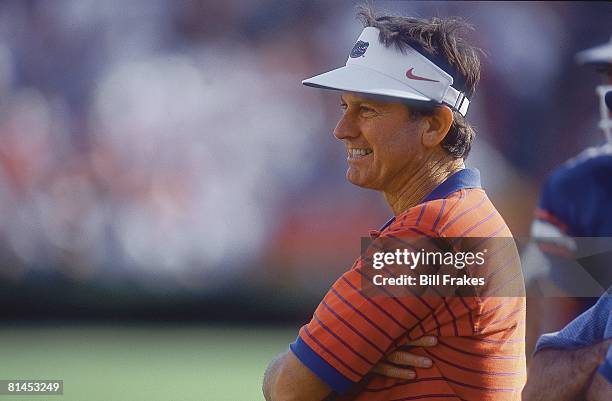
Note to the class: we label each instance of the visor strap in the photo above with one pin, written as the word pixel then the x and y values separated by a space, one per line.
pixel 463 105
pixel 459 100
pixel 456 100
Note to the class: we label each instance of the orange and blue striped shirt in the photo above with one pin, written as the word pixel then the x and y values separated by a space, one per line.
pixel 480 353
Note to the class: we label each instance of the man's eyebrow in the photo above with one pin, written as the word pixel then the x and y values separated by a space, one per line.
pixel 356 101
pixel 370 101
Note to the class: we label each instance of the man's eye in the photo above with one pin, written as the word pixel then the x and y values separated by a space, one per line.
pixel 343 106
pixel 366 111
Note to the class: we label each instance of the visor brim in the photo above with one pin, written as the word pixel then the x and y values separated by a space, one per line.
pixel 364 80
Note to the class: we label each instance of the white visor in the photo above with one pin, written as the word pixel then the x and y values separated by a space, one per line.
pixel 375 69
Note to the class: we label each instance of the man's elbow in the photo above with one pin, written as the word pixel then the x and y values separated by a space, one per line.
pixel 288 379
pixel 269 381
pixel 278 383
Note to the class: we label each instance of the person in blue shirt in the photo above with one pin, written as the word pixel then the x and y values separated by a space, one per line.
pixel 575 362
pixel 574 205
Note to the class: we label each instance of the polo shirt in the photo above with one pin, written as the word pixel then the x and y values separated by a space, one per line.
pixel 480 353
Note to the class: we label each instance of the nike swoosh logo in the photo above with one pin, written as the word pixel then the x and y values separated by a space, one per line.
pixel 410 75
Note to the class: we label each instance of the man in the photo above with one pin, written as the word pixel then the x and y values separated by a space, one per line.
pixel 570 364
pixel 576 362
pixel 574 206
pixel 405 91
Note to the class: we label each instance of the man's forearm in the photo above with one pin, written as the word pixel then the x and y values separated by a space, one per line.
pixel 562 375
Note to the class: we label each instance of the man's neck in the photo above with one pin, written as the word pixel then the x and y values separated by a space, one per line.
pixel 417 186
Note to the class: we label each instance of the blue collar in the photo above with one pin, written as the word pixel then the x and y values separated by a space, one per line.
pixel 462 179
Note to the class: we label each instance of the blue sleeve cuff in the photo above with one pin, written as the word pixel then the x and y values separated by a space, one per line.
pixel 557 341
pixel 320 367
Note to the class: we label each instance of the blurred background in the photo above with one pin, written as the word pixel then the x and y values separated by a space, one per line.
pixel 172 201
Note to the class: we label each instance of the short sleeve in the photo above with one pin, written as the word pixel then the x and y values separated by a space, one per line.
pixel 350 331
pixel 587 329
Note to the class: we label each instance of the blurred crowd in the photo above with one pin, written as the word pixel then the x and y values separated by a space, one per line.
pixel 171 143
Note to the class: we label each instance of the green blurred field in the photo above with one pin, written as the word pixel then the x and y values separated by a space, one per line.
pixel 142 362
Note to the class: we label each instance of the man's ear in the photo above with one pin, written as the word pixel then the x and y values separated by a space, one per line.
pixel 437 126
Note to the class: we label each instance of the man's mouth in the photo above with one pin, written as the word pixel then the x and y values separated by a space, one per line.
pixel 355 153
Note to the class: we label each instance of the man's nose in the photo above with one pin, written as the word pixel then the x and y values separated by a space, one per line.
pixel 346 127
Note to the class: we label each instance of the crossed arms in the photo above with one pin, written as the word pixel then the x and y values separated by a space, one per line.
pixel 287 379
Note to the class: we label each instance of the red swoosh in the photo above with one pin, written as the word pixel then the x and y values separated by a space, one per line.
pixel 410 75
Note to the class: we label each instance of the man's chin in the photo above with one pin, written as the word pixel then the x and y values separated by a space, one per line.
pixel 359 181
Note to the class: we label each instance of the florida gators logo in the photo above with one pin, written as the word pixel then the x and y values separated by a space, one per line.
pixel 359 49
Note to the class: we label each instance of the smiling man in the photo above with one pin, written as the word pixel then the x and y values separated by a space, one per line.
pixel 385 148
pixel 404 95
